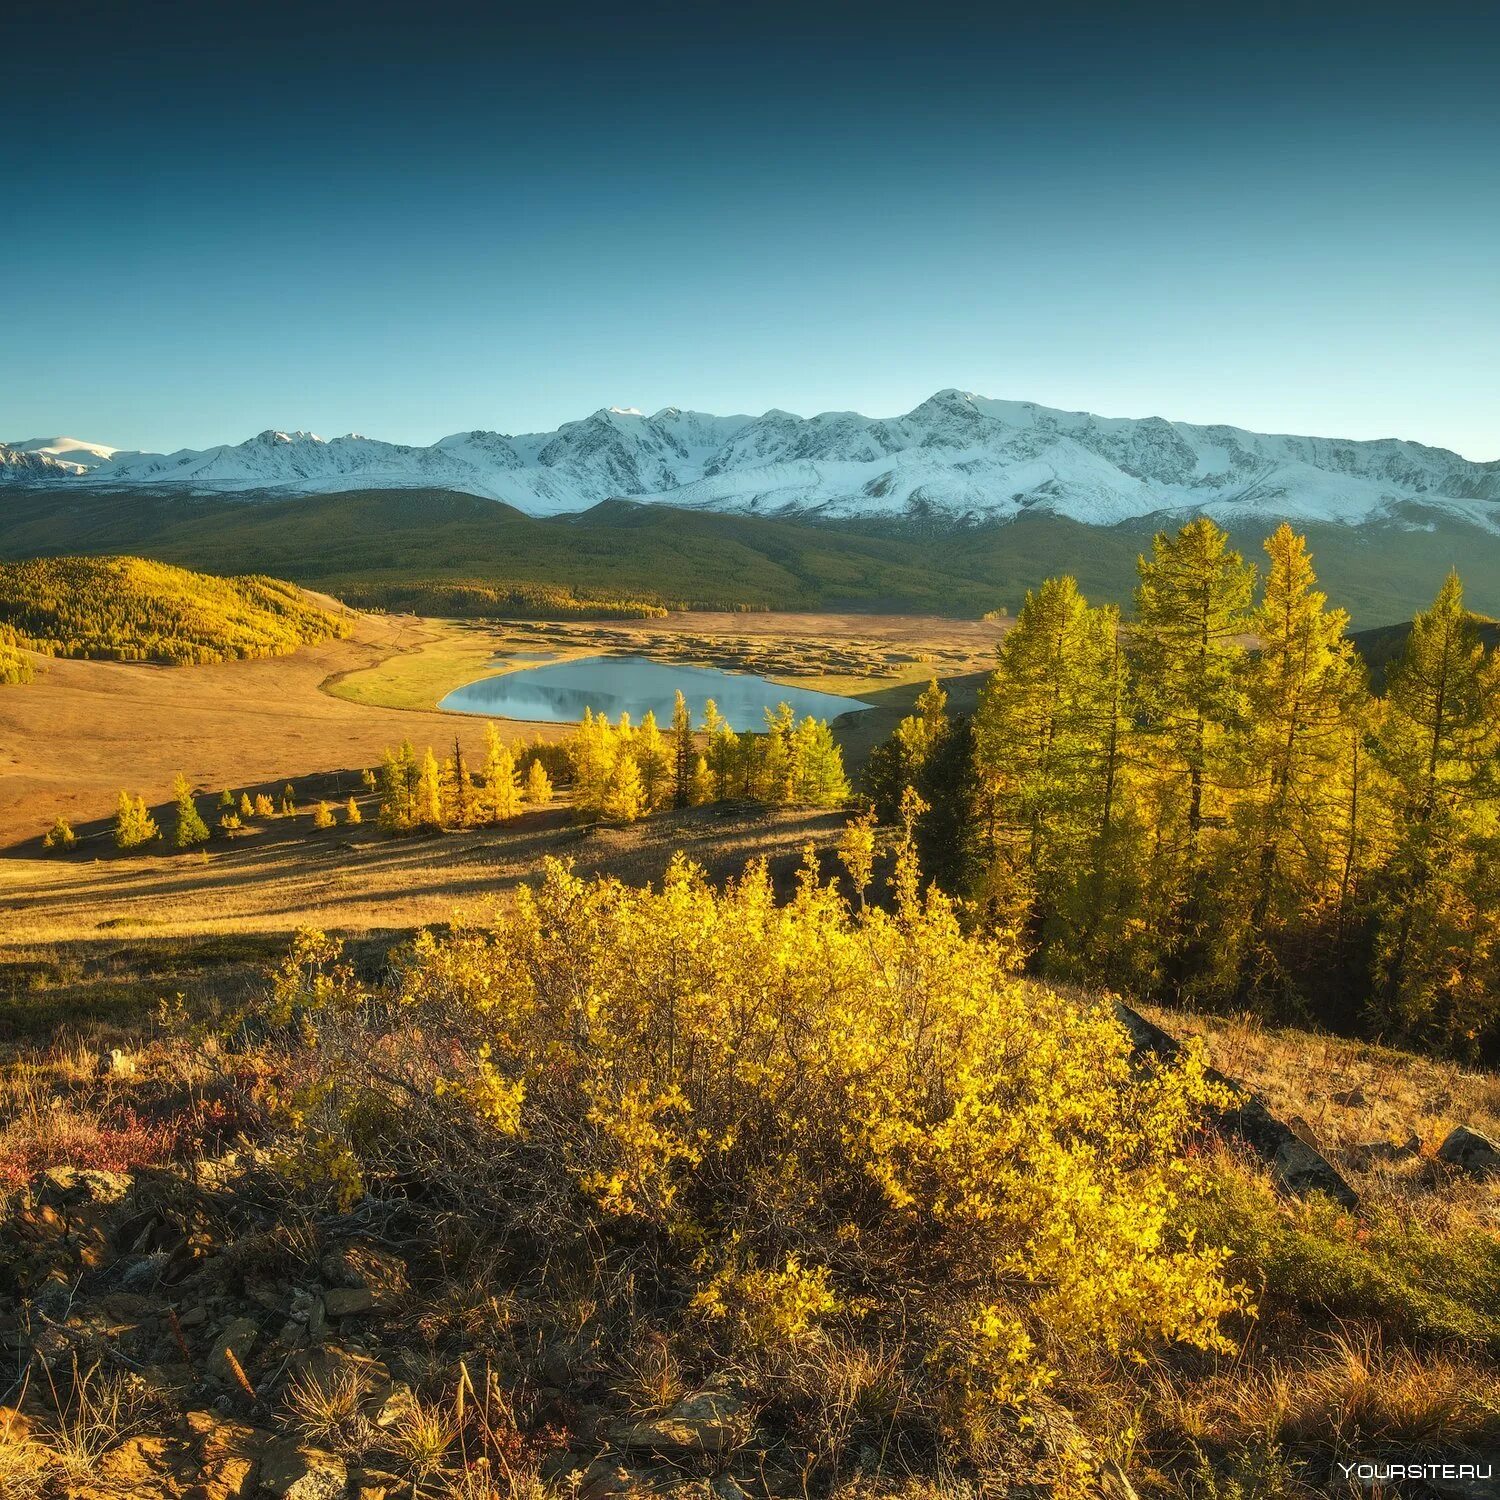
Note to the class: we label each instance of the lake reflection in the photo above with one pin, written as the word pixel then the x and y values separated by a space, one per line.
pixel 558 694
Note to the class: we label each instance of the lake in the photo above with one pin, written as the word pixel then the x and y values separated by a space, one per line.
pixel 559 693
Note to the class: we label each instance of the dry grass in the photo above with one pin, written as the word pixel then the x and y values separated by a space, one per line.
pixel 1356 1395
pixel 1376 1112
pixel 356 879
pixel 92 1410
pixel 328 1410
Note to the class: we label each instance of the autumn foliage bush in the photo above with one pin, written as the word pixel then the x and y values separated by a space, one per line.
pixel 809 1129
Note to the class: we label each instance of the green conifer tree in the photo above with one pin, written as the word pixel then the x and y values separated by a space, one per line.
pixel 190 830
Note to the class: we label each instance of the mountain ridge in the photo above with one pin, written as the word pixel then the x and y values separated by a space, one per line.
pixel 955 457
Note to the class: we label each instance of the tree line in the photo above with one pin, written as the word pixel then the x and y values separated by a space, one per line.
pixel 618 772
pixel 1209 804
pixel 15 668
pixel 134 825
pixel 623 771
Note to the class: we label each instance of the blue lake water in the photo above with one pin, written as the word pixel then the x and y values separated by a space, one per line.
pixel 559 693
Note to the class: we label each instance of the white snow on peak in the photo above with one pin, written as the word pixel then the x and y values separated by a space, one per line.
pixel 957 455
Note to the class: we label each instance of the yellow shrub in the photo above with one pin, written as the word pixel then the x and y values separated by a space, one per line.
pixel 823 1108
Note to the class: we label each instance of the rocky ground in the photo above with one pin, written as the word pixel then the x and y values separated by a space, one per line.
pixel 176 1336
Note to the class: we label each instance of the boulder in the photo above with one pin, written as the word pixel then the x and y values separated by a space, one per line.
pixel 1298 1167
pixel 348 1301
pixel 368 1267
pixel 709 1422
pixel 1301 1170
pixel 1470 1152
pixel 228 1455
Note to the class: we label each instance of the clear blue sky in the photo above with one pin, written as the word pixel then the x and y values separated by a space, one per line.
pixel 408 221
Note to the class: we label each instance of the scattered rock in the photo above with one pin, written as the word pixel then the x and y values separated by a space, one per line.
pixel 605 1478
pixel 367 1267
pixel 1470 1152
pixel 138 1466
pixel 296 1473
pixel 1298 1167
pixel 1365 1156
pixel 72 1187
pixel 240 1338
pixel 1301 1170
pixel 372 1484
pixel 710 1422
pixel 1351 1098
pixel 15 1426
pixel 348 1301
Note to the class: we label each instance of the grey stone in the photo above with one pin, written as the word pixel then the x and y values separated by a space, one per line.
pixel 1470 1152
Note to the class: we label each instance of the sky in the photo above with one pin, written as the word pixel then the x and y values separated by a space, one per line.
pixel 409 221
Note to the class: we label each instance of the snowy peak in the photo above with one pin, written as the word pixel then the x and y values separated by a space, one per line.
pixel 70 450
pixel 21 465
pixel 958 455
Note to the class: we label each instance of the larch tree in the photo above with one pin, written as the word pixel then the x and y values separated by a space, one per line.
pixel 723 750
pixel 654 761
pixel 1192 608
pixel 134 825
pixel 60 837
pixel 458 789
pixel 1437 917
pixel 817 776
pixel 1046 753
pixel 538 788
pixel 502 787
pixel 684 754
pixel 427 805
pixel 1306 696
pixel 624 796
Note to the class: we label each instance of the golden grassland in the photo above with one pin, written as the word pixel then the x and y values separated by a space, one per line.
pixel 286 873
pixel 72 740
pixel 1378 1113
pixel 69 744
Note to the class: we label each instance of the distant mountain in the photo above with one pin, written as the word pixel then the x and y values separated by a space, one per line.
pixel 69 451
pixel 957 457
pixel 19 466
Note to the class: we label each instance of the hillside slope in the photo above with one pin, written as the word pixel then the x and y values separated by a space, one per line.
pixel 388 547
pixel 130 609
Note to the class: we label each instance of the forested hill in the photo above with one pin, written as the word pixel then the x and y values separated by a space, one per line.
pixel 131 609
pixel 440 551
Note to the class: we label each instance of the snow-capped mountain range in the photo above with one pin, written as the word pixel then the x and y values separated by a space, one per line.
pixel 956 456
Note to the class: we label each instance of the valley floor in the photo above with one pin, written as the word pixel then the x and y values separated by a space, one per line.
pixel 70 741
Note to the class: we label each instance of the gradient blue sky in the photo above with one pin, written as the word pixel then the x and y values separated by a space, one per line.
pixel 408 221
